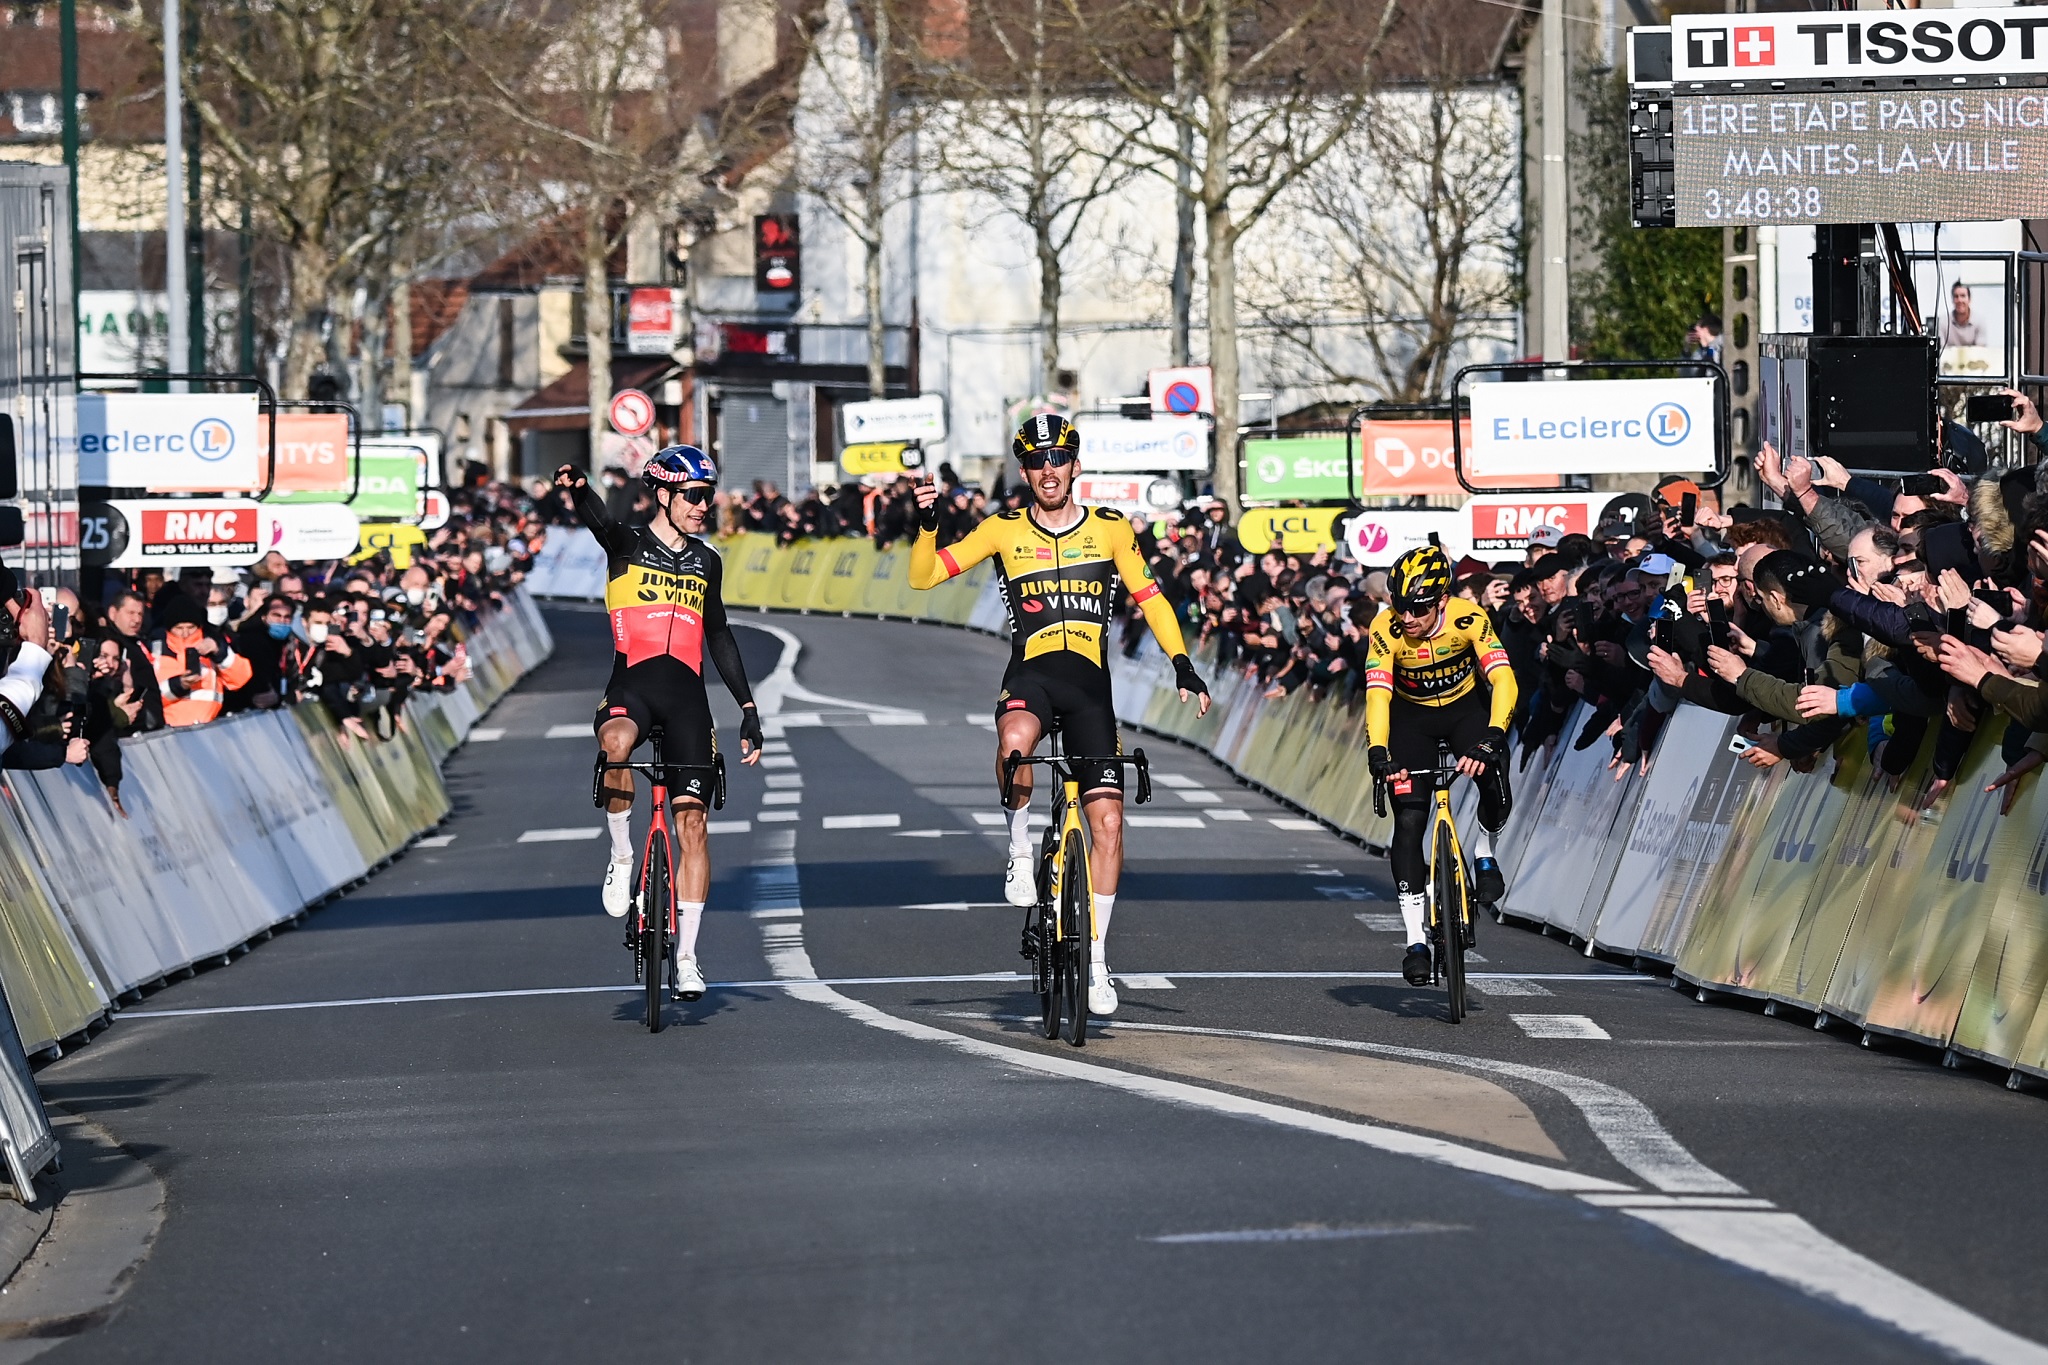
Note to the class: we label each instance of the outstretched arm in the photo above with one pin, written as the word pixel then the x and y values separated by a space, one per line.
pixel 931 566
pixel 725 654
pixel 615 538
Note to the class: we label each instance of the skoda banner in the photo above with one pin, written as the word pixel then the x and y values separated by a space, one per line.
pixel 1591 426
pixel 169 442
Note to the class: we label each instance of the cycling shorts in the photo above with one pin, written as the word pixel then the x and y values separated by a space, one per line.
pixel 1072 697
pixel 653 693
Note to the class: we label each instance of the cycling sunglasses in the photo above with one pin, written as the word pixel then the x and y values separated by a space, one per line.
pixel 1039 459
pixel 698 494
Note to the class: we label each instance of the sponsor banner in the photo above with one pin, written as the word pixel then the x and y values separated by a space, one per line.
pixel 1552 883
pixel 2011 974
pixel 654 325
pixel 167 442
pixel 1847 872
pixel 312 452
pixel 1685 753
pixel 1137 494
pixel 1698 854
pixel 199 531
pixel 1762 48
pixel 880 457
pixel 1379 536
pixel 1500 523
pixel 395 539
pixel 1591 426
pixel 1388 459
pixel 896 419
pixel 316 531
pixel 1295 530
pixel 1116 445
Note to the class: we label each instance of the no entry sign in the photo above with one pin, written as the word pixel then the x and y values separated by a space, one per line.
pixel 632 412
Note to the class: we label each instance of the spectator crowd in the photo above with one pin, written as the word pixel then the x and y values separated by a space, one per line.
pixel 142 650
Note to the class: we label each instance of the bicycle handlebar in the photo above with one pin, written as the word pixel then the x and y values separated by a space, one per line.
pixel 1058 762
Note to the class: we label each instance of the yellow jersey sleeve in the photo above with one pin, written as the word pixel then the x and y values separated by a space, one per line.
pixel 1493 662
pixel 1379 679
pixel 1137 575
pixel 931 566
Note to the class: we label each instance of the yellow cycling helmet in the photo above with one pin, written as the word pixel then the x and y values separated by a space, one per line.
pixel 1421 578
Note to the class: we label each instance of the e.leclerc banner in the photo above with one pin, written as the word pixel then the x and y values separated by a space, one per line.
pixel 165 442
pixel 1591 426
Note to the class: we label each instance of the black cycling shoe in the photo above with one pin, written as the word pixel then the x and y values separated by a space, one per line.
pixel 1415 966
pixel 1488 886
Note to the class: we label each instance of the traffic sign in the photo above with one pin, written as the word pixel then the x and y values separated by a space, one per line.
pixel 1182 389
pixel 632 412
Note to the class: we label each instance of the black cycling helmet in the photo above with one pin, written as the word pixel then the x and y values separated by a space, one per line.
pixel 678 465
pixel 1421 579
pixel 1047 431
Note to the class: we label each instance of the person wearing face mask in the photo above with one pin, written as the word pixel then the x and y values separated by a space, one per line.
pixel 262 640
pixel 193 671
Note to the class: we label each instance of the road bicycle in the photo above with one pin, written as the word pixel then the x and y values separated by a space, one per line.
pixel 1448 893
pixel 1059 929
pixel 651 922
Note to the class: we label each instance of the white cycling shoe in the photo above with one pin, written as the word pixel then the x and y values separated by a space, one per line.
pixel 618 886
pixel 689 979
pixel 1020 887
pixel 1101 990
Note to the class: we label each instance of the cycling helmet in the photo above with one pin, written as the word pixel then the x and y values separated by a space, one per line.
pixel 678 465
pixel 1047 431
pixel 1421 578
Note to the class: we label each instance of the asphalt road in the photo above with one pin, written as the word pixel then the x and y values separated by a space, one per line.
pixel 467 1148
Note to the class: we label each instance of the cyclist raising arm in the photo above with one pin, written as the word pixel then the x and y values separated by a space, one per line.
pixel 1058 561
pixel 1426 658
pixel 664 591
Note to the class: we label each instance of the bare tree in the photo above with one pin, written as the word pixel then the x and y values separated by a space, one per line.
pixel 1017 132
pixel 1276 84
pixel 1407 232
pixel 855 153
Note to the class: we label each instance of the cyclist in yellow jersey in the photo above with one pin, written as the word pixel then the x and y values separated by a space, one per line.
pixel 1058 562
pixel 1428 657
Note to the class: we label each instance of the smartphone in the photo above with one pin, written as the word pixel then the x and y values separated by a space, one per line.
pixel 191 661
pixel 1922 486
pixel 1988 407
pixel 1688 509
pixel 60 621
pixel 1958 621
pixel 1740 744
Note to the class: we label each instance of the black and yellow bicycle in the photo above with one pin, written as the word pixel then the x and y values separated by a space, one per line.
pixel 1060 926
pixel 1448 893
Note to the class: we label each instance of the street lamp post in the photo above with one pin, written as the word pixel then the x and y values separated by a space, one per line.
pixel 174 199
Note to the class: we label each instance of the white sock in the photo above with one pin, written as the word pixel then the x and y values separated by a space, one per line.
pixel 1103 906
pixel 1020 831
pixel 686 931
pixel 1482 843
pixel 1411 915
pixel 620 823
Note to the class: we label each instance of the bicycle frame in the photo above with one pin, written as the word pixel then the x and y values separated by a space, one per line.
pixel 659 827
pixel 1066 810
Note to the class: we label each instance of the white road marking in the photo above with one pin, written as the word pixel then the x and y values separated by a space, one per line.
pixel 1199 798
pixel 768 817
pixel 1165 821
pixel 781 760
pixel 863 821
pixel 775 746
pixel 1228 814
pixel 782 798
pixel 1314 871
pixel 728 826
pixel 1289 822
pixel 437 841
pixel 571 732
pixel 1175 780
pixel 1675 1201
pixel 1142 982
pixel 989 818
pixel 792 912
pixel 897 718
pixel 1381 922
pixel 1552 1025
pixel 783 781
pixel 957 905
pixel 1510 985
pixel 1305 1232
pixel 986 722
pixel 560 836
pixel 484 734
pixel 929 833
pixel 1346 893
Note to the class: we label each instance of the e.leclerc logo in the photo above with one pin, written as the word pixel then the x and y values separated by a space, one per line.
pixel 1668 424
pixel 211 440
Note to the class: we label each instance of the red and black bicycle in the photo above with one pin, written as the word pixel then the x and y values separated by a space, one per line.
pixel 651 923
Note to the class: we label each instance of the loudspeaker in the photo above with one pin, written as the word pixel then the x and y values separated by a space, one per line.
pixel 1868 402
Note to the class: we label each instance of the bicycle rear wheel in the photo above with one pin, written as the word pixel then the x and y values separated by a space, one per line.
pixel 1448 894
pixel 654 906
pixel 1075 924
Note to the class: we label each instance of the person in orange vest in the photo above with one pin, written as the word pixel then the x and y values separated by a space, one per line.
pixel 194 670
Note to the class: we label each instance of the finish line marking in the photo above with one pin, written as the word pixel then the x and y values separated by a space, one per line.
pixel 785 983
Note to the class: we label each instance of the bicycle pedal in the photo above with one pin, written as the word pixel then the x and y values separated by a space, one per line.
pixel 1029 950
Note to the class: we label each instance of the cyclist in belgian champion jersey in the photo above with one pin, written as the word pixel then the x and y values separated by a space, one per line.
pixel 1436 671
pixel 1058 561
pixel 664 592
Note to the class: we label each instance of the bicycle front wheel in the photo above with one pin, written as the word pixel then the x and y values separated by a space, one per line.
pixel 1076 923
pixel 654 906
pixel 1449 893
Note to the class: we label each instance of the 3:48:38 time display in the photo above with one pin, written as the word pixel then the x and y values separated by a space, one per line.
pixel 1764 202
